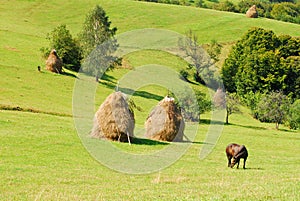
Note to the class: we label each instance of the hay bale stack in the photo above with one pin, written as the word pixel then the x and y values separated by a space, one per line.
pixel 165 122
pixel 252 12
pixel 53 63
pixel 114 120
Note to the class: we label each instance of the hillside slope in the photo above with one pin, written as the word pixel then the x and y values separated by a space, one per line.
pixel 24 24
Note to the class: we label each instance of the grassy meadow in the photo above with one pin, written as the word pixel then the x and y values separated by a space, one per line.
pixel 41 155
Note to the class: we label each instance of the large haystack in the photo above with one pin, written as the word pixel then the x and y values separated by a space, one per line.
pixel 252 12
pixel 53 63
pixel 165 122
pixel 114 120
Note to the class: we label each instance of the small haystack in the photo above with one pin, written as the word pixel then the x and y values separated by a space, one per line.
pixel 165 122
pixel 53 63
pixel 252 12
pixel 220 99
pixel 114 120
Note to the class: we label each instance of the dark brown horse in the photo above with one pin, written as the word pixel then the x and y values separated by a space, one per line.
pixel 236 152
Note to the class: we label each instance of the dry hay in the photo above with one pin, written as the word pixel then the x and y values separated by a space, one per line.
pixel 165 122
pixel 53 63
pixel 114 120
pixel 219 99
pixel 252 12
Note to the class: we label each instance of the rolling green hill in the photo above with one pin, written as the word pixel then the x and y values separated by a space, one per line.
pixel 41 156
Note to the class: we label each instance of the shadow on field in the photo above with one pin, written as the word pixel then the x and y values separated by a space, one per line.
pixel 108 78
pixel 247 126
pixel 209 121
pixel 143 141
pixel 254 168
pixel 144 94
pixel 69 74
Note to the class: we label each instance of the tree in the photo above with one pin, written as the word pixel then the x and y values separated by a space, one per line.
pixel 66 47
pixel 98 42
pixel 228 101
pixel 286 11
pixel 192 108
pixel 226 6
pixel 274 107
pixel 294 115
pixel 262 62
pixel 232 105
pixel 199 59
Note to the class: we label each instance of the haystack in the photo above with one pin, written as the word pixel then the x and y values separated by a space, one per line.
pixel 165 122
pixel 53 63
pixel 252 12
pixel 220 99
pixel 114 120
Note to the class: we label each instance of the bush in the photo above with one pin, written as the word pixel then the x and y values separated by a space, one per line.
pixel 294 115
pixel 67 48
pixel 288 12
pixel 191 109
pixel 184 74
pixel 226 6
pixel 273 107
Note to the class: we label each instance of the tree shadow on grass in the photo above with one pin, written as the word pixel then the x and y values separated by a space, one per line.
pixel 108 78
pixel 132 92
pixel 144 141
pixel 209 121
pixel 247 126
pixel 69 74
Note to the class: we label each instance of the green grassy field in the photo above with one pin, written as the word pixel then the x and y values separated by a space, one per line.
pixel 42 157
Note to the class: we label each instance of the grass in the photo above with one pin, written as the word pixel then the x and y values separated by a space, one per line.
pixel 42 156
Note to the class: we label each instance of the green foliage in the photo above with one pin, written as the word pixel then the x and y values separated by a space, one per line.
pixel 294 115
pixel 184 74
pixel 263 7
pixel 273 107
pixel 98 42
pixel 192 108
pixel 232 105
pixel 199 58
pixel 262 62
pixel 214 50
pixel 288 12
pixel 67 48
pixel 252 100
pixel 225 6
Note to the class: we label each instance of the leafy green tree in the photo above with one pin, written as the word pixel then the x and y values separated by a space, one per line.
pixel 274 107
pixel 214 50
pixel 67 48
pixel 294 115
pixel 262 62
pixel 199 58
pixel 193 108
pixel 251 100
pixel 232 105
pixel 226 6
pixel 286 11
pixel 98 42
pixel 292 83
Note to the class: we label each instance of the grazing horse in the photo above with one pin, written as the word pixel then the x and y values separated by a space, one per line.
pixel 236 152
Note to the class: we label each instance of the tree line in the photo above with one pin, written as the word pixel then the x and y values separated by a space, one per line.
pixel 283 10
pixel 263 69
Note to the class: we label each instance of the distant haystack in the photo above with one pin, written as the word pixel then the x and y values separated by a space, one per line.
pixel 252 12
pixel 165 122
pixel 114 120
pixel 219 99
pixel 53 63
